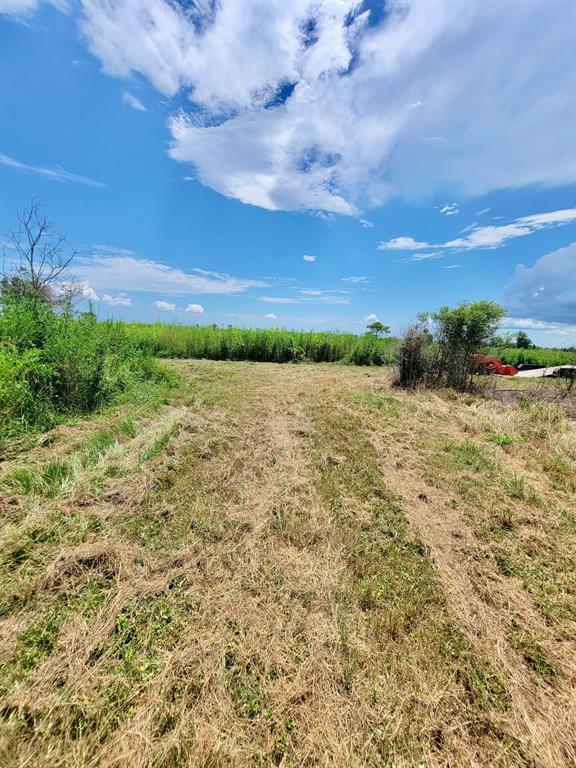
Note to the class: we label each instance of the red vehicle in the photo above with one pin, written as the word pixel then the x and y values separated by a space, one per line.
pixel 487 364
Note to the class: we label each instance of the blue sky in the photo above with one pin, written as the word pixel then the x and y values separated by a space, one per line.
pixel 303 164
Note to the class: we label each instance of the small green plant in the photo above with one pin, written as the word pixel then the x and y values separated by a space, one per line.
pixel 502 439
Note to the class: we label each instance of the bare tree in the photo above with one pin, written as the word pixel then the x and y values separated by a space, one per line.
pixel 42 255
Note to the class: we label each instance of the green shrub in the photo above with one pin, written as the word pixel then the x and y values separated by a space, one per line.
pixel 55 364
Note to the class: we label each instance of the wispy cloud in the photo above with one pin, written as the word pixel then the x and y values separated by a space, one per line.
pixel 53 174
pixel 279 300
pixel 483 211
pixel 271 316
pixel 307 296
pixel 20 9
pixel 356 279
pixel 133 101
pixel 479 238
pixel 366 223
pixel 424 256
pixel 450 209
pixel 120 269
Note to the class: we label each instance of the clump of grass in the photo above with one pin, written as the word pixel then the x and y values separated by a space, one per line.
pixel 470 456
pixel 47 481
pixel 502 439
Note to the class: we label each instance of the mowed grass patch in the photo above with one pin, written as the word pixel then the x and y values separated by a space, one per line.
pixel 391 583
pixel 257 591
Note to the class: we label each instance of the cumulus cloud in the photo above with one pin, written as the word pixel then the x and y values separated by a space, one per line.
pixel 119 268
pixel 271 316
pixel 547 290
pixel 196 309
pixel 165 306
pixel 493 236
pixel 366 223
pixel 133 101
pixel 372 318
pixel 53 174
pixel 307 257
pixel 121 300
pixel 319 105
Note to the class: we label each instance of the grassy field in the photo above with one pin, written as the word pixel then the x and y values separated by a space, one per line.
pixel 538 356
pixel 272 345
pixel 291 566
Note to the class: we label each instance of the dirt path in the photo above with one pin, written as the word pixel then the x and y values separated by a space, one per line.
pixel 261 583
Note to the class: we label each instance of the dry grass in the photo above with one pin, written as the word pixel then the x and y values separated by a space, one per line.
pixel 291 566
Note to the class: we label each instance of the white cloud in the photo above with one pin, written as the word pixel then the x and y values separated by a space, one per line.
pixel 450 209
pixel 110 268
pixel 356 279
pixel 302 105
pixel 307 257
pixel 526 323
pixel 366 223
pixel 279 300
pixel 489 236
pixel 80 288
pixel 402 244
pixel 495 236
pixel 307 296
pixel 197 309
pixel 53 174
pixel 424 256
pixel 121 300
pixel 165 306
pixel 133 101
pixel 483 211
pixel 372 318
pixel 547 290
pixel 19 9
pixel 452 266
pixel 271 316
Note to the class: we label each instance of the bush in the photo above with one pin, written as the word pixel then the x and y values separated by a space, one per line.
pixel 439 349
pixel 413 363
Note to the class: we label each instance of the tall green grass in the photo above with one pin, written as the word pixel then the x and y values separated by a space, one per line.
pixel 538 356
pixel 262 345
pixel 56 364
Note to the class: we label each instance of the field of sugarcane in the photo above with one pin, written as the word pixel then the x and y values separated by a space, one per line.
pixel 273 345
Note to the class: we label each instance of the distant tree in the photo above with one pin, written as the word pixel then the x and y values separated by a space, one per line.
pixel 502 342
pixel 40 260
pixel 377 328
pixel 523 341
